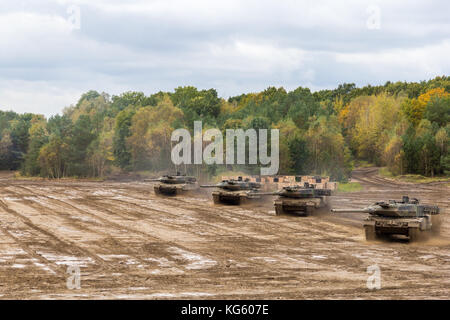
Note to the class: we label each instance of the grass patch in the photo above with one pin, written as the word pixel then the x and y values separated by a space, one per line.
pixel 363 164
pixel 18 176
pixel 385 172
pixel 349 187
pixel 414 178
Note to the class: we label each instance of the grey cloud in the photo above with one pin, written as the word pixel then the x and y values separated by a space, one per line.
pixel 231 47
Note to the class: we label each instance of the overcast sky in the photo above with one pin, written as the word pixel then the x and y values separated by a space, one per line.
pixel 51 51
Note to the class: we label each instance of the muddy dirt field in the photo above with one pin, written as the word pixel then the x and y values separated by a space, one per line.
pixel 130 244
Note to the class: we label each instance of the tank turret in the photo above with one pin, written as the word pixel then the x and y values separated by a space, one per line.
pixel 174 179
pixel 300 200
pixel 234 191
pixel 235 185
pixel 174 184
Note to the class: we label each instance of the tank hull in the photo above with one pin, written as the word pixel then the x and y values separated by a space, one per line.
pixel 298 206
pixel 410 227
pixel 167 189
pixel 232 198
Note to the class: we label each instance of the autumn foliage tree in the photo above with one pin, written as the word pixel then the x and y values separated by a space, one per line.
pixel 401 125
pixel 151 129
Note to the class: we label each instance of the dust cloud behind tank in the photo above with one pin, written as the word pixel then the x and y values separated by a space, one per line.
pixel 234 191
pixel 172 185
pixel 405 217
pixel 299 199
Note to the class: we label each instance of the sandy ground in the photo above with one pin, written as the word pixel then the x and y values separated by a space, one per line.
pixel 130 244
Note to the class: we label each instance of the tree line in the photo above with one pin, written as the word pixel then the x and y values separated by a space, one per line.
pixel 402 125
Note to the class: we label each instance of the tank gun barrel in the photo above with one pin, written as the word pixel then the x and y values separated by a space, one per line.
pixel 276 193
pixel 209 186
pixel 351 210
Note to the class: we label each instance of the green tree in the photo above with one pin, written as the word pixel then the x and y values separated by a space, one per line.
pixel 328 153
pixel 100 151
pixel 122 152
pixel 151 129
pixel 428 151
pixel 438 110
pixel 38 138
pixel 53 158
pixel 19 133
pixel 82 137
pixel 6 146
pixel 197 105
pixel 394 155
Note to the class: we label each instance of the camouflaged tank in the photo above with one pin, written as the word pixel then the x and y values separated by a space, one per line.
pixel 172 185
pixel 406 217
pixel 299 200
pixel 234 192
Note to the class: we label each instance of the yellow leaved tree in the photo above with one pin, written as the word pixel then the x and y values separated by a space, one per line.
pixel 151 129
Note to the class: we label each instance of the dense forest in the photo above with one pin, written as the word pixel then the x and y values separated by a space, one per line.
pixel 404 126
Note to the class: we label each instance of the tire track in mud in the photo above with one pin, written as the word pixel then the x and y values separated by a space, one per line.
pixel 105 223
pixel 264 269
pixel 254 218
pixel 262 280
pixel 312 224
pixel 51 245
pixel 69 247
pixel 371 177
pixel 121 226
pixel 262 214
pixel 24 246
pixel 251 218
pixel 262 266
pixel 195 208
pixel 286 242
pixel 130 277
pixel 257 221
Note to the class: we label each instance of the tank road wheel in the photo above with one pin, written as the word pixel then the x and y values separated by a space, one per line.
pixel 413 234
pixel 371 234
pixel 279 209
pixel 216 198
pixel 309 210
pixel 157 191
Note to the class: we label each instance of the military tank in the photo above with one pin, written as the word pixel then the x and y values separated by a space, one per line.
pixel 300 200
pixel 234 192
pixel 405 217
pixel 172 185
